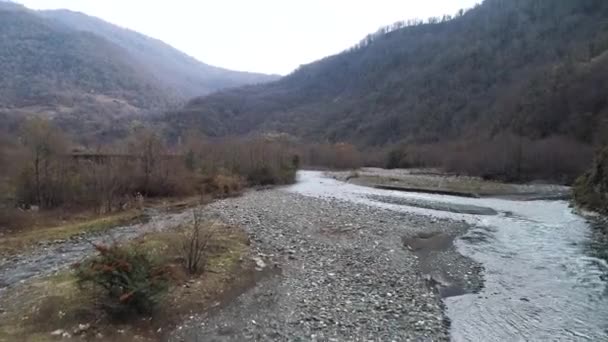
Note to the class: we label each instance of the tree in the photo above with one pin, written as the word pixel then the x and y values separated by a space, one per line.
pixel 45 146
pixel 195 243
pixel 148 147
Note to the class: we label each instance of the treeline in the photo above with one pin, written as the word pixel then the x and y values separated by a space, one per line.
pixel 333 156
pixel 44 172
pixel 398 25
pixel 505 157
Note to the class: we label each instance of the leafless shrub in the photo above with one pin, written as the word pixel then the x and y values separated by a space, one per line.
pixel 335 156
pixel 506 157
pixel 195 243
pixel 259 161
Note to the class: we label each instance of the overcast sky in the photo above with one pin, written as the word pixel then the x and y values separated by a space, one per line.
pixel 269 36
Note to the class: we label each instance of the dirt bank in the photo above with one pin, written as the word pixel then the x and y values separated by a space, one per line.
pixel 432 181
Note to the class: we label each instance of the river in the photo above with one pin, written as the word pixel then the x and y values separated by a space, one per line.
pixel 541 278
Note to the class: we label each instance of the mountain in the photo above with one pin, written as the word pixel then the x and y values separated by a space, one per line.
pixel 534 68
pixel 41 61
pixel 186 75
pixel 91 76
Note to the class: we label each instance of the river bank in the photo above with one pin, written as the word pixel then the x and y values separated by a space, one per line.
pixel 339 270
pixel 347 262
pixel 437 182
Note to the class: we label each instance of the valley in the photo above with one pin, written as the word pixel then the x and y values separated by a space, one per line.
pixel 345 265
pixel 444 179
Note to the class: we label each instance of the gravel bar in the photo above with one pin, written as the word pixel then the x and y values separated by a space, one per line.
pixel 344 274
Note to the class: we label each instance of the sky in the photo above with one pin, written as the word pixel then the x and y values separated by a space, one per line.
pixel 267 36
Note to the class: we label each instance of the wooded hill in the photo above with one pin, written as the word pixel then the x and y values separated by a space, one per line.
pixel 532 68
pixel 88 74
pixel 42 61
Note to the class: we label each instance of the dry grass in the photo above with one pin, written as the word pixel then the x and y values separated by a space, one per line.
pixel 49 226
pixel 21 241
pixel 447 183
pixel 224 184
pixel 45 305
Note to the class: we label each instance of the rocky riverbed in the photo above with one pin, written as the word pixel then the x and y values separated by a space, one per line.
pixel 331 270
pixel 346 273
pixel 360 264
pixel 342 262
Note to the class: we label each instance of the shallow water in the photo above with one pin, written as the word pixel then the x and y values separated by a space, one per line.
pixel 543 279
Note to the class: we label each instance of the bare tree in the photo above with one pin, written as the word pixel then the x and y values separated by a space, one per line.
pixel 195 243
pixel 149 149
pixel 45 145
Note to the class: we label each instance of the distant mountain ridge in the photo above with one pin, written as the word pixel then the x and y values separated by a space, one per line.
pixel 174 68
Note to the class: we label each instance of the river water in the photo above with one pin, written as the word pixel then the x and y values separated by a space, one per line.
pixel 542 281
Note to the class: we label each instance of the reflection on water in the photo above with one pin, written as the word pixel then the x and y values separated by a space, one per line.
pixel 545 268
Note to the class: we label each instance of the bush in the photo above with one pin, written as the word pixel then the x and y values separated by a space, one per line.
pixel 394 159
pixel 267 175
pixel 223 184
pixel 339 156
pixel 591 189
pixel 261 176
pixel 133 282
pixel 195 242
pixel 13 219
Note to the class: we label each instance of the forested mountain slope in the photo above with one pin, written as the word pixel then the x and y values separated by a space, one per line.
pixel 184 74
pixel 91 77
pixel 43 62
pixel 534 68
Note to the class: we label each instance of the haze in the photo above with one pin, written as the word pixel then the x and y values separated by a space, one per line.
pixel 269 36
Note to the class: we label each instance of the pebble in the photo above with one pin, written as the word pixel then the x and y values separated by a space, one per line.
pixel 354 284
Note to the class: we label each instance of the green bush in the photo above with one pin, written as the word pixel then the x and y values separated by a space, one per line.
pixel 132 281
pixel 591 189
pixel 395 158
pixel 267 175
pixel 261 176
pixel 584 193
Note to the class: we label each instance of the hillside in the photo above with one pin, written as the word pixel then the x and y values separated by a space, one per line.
pixel 528 67
pixel 182 73
pixel 41 62
pixel 93 80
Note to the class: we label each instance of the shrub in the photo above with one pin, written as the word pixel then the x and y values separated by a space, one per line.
pixel 132 281
pixel 591 189
pixel 395 158
pixel 14 219
pixel 223 184
pixel 261 176
pixel 335 156
pixel 271 175
pixel 195 242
